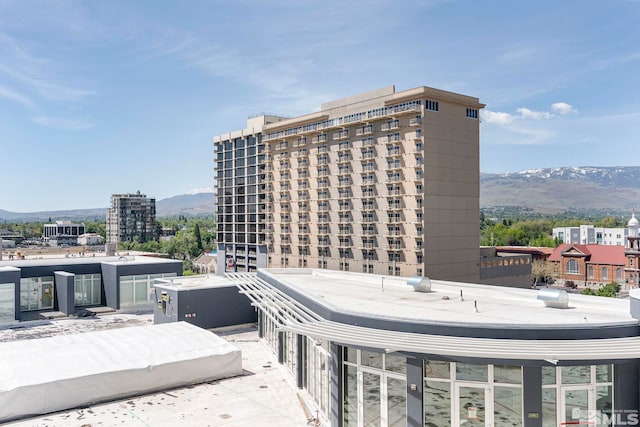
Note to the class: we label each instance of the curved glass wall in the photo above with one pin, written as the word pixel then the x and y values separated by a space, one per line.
pixel 472 395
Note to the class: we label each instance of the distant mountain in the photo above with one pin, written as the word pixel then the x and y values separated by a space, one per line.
pixel 554 190
pixel 185 204
pixel 75 214
pixel 550 190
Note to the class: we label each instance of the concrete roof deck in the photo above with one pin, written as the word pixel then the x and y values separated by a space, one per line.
pixel 195 282
pixel 264 395
pixel 74 260
pixel 364 294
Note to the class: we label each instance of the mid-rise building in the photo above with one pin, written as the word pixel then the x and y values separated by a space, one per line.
pixel 60 228
pixel 131 218
pixel 384 182
pixel 590 235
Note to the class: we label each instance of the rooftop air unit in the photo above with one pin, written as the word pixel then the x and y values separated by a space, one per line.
pixel 420 283
pixel 556 298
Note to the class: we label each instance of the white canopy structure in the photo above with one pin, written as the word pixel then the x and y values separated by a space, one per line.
pixel 51 374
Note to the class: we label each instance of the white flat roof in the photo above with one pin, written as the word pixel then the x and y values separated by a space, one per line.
pixel 365 294
pixel 194 282
pixel 87 259
pixel 65 371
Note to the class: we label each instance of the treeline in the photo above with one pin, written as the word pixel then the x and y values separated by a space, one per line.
pixel 34 230
pixel 191 237
pixel 525 230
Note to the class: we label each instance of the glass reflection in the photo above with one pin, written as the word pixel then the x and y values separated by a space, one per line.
pixel 549 413
pixel 471 404
pixel 371 396
pixel 437 369
pixel 576 405
pixel 350 406
pixel 437 404
pixel 395 363
pixel 507 374
pixel 575 374
pixel 507 406
pixel 471 372
pixel 396 402
pixel 369 358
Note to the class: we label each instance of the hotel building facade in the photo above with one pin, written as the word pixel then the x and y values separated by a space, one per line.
pixel 385 182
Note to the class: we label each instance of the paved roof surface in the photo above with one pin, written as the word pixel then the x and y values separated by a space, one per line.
pixel 263 396
pixel 391 297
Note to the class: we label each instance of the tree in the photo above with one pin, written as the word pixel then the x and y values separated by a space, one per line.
pixel 541 271
pixel 198 237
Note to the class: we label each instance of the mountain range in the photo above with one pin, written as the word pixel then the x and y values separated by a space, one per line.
pixel 562 189
pixel 546 191
pixel 184 204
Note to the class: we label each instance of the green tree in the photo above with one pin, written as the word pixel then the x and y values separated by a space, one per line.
pixel 197 236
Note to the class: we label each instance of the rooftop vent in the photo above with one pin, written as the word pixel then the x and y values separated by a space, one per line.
pixel 556 298
pixel 420 283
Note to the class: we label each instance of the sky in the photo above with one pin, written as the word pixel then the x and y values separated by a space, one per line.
pixel 103 97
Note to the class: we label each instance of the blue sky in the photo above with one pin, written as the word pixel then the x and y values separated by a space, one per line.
pixel 102 97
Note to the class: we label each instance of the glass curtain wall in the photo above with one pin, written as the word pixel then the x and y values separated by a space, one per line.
pixel 577 394
pixel 472 395
pixel 374 389
pixel 7 302
pixel 135 290
pixel 87 289
pixel 318 375
pixel 36 293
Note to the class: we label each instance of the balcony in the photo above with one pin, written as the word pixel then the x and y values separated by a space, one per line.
pixel 395 165
pixel 397 219
pixel 395 124
pixel 394 151
pixel 344 158
pixel 319 138
pixel 392 139
pixel 416 121
pixel 342 134
pixel 364 130
pixel 368 154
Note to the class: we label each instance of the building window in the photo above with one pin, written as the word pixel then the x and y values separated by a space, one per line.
pixel 618 274
pixel 572 267
pixel 472 113
pixel 590 272
pixel 87 289
pixel 449 398
pixel 431 105
pixel 605 273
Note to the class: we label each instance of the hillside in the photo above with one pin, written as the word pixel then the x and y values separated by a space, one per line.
pixel 545 191
pixel 185 204
pixel 555 190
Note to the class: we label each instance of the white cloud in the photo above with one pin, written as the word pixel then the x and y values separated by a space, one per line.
pixel 201 190
pixel 15 96
pixel 62 123
pixel 498 117
pixel 526 113
pixel 563 108
pixel 523 114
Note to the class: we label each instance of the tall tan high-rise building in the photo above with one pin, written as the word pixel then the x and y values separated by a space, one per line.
pixel 383 182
